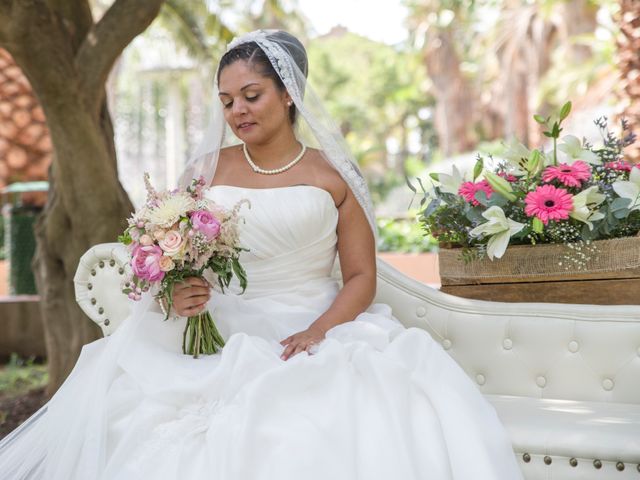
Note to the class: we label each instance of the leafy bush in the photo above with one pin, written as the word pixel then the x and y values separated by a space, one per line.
pixel 403 235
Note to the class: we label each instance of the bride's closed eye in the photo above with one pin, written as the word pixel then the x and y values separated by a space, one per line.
pixel 250 99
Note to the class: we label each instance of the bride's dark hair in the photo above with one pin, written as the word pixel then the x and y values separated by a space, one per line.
pixel 257 59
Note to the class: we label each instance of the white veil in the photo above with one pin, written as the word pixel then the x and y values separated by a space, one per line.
pixel 313 127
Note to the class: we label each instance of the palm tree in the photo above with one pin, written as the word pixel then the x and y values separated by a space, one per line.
pixel 440 29
pixel 628 44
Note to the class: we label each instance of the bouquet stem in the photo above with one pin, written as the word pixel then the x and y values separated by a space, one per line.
pixel 201 336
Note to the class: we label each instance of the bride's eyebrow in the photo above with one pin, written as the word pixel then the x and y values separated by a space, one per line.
pixel 242 89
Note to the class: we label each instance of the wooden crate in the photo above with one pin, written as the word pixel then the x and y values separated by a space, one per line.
pixel 610 275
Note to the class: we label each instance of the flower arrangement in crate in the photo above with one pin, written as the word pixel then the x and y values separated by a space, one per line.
pixel 572 194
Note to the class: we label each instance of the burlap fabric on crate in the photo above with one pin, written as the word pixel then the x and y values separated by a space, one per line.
pixel 552 272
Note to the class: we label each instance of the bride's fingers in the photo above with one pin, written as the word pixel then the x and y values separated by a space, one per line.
pixel 301 347
pixel 288 351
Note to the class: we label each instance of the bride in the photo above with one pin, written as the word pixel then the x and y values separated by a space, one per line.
pixel 314 382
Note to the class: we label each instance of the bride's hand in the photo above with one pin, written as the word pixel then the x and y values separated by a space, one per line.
pixel 301 341
pixel 191 296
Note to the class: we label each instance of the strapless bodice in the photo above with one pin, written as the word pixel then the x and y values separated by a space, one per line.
pixel 290 234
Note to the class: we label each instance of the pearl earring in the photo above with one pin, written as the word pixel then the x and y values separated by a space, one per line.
pixel 289 103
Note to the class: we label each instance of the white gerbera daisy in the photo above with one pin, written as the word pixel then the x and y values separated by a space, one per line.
pixel 170 209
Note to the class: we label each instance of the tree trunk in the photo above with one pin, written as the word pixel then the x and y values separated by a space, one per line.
pixel 67 57
pixel 454 116
pixel 628 43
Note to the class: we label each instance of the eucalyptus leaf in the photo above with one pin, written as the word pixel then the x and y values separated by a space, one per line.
pixel 619 204
pixel 621 213
pixel 481 196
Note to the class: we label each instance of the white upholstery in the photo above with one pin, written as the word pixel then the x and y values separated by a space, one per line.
pixel 564 379
pixel 98 285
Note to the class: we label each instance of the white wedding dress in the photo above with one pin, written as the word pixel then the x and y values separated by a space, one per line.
pixel 375 401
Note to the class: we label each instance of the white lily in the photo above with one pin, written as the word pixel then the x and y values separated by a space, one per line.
pixel 573 150
pixel 583 204
pixel 630 188
pixel 517 155
pixel 451 183
pixel 500 228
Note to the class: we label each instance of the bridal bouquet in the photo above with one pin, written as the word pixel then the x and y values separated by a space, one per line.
pixel 572 194
pixel 179 234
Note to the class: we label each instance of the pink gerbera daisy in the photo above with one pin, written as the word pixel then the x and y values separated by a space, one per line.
pixel 548 203
pixel 570 175
pixel 468 191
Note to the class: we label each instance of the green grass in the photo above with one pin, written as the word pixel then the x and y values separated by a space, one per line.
pixel 19 375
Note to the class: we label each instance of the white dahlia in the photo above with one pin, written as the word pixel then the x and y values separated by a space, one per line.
pixel 170 209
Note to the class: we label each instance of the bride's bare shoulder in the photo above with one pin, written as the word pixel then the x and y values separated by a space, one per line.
pixel 228 154
pixel 327 177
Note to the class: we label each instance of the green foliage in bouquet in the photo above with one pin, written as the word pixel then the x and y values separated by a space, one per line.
pixel 574 193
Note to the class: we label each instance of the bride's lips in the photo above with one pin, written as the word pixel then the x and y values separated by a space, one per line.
pixel 245 126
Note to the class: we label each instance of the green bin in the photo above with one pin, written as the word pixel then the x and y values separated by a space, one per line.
pixel 19 237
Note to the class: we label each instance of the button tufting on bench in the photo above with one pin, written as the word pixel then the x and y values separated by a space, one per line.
pixel 526 457
pixel 446 344
pixel 421 311
pixel 597 464
pixel 547 460
pixel 541 381
pixel 607 384
pixel 573 346
pixel 573 462
pixel 507 344
pixel 620 466
pixel 480 379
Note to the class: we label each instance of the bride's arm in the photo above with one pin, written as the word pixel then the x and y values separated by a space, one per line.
pixel 356 249
pixel 357 253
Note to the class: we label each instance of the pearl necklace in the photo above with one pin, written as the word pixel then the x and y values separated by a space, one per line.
pixel 258 169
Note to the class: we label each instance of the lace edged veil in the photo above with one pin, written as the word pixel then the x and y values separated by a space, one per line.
pixel 313 127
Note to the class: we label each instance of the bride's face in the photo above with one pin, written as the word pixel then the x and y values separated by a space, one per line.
pixel 254 107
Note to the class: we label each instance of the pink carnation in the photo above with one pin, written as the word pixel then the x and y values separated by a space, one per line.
pixel 204 222
pixel 548 203
pixel 468 191
pixel 570 175
pixel 508 177
pixel 146 263
pixel 620 165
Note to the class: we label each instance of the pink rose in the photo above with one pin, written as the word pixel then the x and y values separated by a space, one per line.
pixel 204 222
pixel 146 240
pixel 158 235
pixel 146 263
pixel 166 264
pixel 171 243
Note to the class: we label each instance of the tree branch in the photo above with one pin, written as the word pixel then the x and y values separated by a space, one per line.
pixel 124 20
pixel 76 18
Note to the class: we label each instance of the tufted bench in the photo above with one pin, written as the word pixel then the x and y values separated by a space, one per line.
pixel 564 379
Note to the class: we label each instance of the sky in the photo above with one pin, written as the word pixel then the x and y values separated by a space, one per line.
pixel 380 20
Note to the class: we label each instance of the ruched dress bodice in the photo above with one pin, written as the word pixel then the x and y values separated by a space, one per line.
pixel 290 234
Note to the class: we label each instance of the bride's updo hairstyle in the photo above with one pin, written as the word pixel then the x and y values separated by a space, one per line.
pixel 258 60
